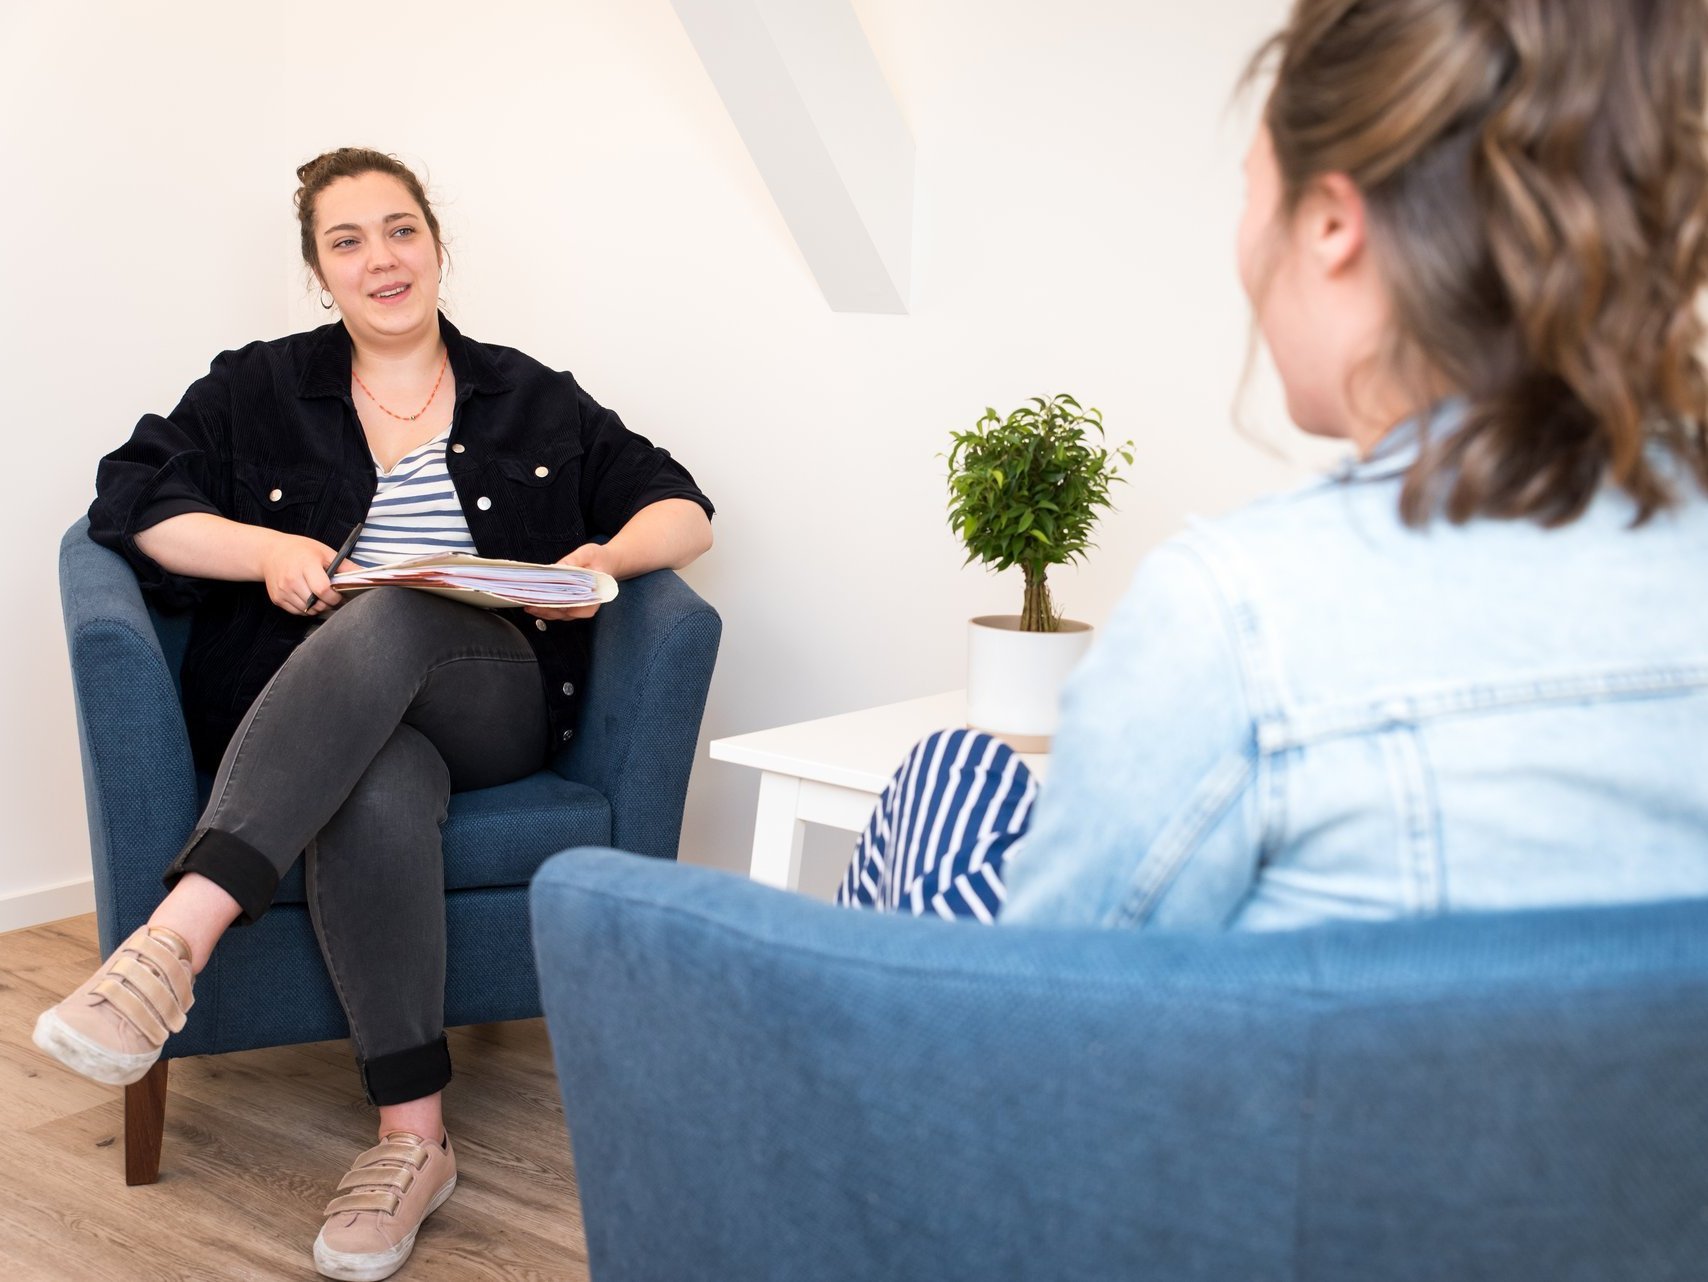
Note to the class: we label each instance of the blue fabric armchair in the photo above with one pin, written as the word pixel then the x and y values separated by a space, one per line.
pixel 621 783
pixel 764 1087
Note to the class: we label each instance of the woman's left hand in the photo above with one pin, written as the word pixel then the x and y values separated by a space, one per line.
pixel 669 533
pixel 589 556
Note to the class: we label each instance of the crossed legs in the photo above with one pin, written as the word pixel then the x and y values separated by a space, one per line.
pixel 348 758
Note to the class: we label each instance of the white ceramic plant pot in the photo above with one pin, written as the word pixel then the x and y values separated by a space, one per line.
pixel 1015 678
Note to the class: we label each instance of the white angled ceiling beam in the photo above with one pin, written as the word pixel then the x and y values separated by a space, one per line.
pixel 804 89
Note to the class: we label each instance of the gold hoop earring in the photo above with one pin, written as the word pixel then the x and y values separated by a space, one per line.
pixel 326 299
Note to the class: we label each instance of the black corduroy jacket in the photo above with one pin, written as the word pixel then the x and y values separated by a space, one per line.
pixel 270 437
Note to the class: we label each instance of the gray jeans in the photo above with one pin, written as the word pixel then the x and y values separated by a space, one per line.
pixel 348 758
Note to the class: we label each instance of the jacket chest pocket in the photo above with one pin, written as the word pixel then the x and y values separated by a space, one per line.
pixel 544 491
pixel 280 498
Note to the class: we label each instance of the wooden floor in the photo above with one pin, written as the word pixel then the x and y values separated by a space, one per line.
pixel 255 1142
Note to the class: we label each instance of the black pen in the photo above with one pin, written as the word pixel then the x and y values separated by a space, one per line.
pixel 343 552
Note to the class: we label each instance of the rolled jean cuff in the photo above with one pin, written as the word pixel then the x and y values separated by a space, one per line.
pixel 233 865
pixel 402 1076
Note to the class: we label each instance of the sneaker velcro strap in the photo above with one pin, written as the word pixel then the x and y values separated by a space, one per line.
pixel 377 1200
pixel 148 984
pixel 377 1177
pixel 164 960
pixel 413 1155
pixel 141 1015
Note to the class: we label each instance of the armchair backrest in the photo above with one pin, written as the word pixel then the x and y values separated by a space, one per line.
pixel 800 1091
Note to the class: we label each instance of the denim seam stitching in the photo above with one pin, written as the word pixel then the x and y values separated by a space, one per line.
pixel 475 658
pixel 1181 838
pixel 1379 711
pixel 215 805
pixel 1264 686
pixel 326 954
pixel 1408 778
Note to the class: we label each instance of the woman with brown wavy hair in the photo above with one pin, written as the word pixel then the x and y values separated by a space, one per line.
pixel 1470 671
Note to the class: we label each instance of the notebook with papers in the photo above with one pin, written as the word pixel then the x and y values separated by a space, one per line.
pixel 483 581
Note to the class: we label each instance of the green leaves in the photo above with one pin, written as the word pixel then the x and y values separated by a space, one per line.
pixel 1026 490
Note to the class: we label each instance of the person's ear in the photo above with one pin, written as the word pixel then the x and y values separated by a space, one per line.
pixel 1335 224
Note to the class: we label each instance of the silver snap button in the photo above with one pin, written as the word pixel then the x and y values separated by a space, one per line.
pixel 540 624
pixel 542 471
pixel 276 495
pixel 569 687
pixel 458 448
pixel 483 503
pixel 568 735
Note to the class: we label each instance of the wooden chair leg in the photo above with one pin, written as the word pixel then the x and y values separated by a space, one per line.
pixel 145 1122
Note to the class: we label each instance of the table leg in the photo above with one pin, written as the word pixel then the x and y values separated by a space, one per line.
pixel 778 832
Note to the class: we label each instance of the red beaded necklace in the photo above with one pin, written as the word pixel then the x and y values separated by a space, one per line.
pixel 407 418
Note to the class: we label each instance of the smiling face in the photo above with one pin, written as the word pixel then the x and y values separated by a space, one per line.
pixel 377 258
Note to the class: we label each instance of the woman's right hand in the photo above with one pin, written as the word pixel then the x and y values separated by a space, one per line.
pixel 205 545
pixel 294 570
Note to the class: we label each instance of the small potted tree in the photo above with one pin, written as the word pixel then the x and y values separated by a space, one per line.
pixel 1025 491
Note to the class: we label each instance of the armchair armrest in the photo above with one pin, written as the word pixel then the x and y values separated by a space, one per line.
pixel 139 783
pixel 864 1096
pixel 653 651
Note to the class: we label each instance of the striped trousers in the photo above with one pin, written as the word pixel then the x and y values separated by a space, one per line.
pixel 943 827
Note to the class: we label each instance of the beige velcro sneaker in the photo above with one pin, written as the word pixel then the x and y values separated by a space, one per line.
pixel 371 1226
pixel 112 1028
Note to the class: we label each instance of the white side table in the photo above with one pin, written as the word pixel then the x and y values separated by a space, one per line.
pixel 830 771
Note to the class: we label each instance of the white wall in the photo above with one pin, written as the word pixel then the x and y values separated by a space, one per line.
pixel 1078 184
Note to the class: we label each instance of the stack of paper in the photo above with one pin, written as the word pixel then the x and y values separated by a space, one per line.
pixel 485 582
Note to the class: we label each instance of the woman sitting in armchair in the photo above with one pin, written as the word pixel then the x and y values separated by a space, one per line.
pixel 336 729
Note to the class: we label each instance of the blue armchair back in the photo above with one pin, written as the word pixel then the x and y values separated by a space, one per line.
pixel 622 782
pixel 761 1086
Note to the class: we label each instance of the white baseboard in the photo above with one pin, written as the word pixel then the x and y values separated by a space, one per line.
pixel 50 903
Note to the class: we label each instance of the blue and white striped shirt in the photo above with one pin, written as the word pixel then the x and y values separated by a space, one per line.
pixel 415 510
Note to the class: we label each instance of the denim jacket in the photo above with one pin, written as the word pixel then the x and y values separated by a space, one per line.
pixel 1308 711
